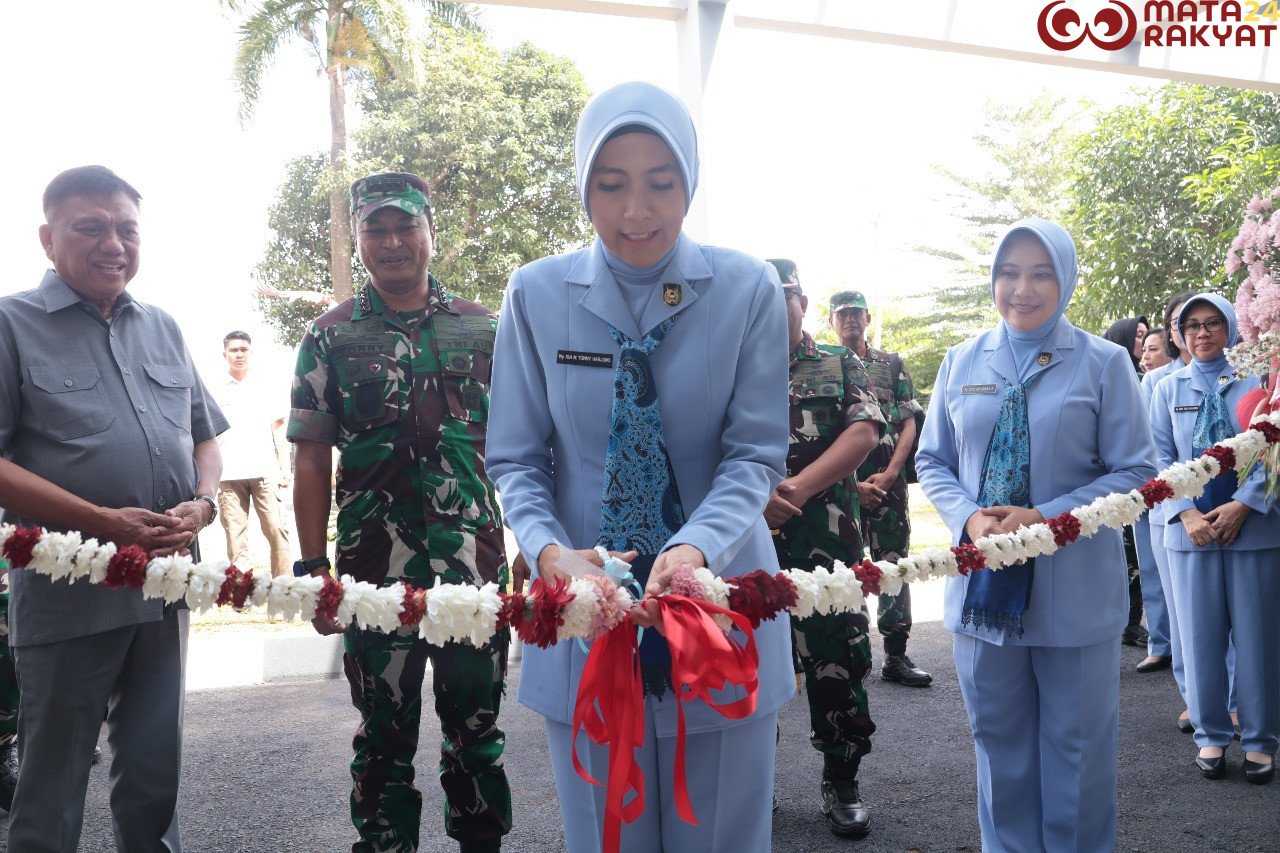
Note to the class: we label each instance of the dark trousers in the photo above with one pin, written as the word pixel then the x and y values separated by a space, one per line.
pixel 386 673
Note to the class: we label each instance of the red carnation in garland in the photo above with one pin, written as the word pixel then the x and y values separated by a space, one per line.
pixel 1269 431
pixel 244 586
pixel 511 614
pixel 969 558
pixel 414 606
pixel 869 575
pixel 1065 527
pixel 128 568
pixel 549 600
pixel 1225 455
pixel 1155 491
pixel 329 598
pixel 228 586
pixel 19 545
pixel 759 595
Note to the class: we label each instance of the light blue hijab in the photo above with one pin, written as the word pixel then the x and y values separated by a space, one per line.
pixel 1062 254
pixel 1223 306
pixel 636 103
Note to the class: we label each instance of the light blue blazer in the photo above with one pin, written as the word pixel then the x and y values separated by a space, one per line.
pixel 1088 438
pixel 1184 389
pixel 721 374
pixel 1149 382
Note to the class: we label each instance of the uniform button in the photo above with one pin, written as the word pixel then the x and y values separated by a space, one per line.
pixel 157 451
pixel 68 382
pixel 126 372
pixel 143 409
pixel 160 502
pixel 173 382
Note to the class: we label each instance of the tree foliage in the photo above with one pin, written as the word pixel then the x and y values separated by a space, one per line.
pixel 1157 193
pixel 497 152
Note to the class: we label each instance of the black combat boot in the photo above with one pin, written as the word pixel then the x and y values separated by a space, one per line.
pixel 842 804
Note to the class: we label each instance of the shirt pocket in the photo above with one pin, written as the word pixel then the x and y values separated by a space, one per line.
pixel 69 400
pixel 369 390
pixel 466 374
pixel 171 385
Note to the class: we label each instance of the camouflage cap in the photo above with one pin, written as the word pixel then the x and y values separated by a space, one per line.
pixel 788 274
pixel 848 299
pixel 389 189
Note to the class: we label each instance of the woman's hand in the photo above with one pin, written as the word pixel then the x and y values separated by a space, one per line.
pixel 1198 528
pixel 645 613
pixel 547 561
pixel 983 523
pixel 1013 517
pixel 1227 520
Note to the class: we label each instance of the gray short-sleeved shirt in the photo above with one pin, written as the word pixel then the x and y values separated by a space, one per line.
pixel 109 411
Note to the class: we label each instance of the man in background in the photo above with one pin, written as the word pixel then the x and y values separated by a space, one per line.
pixel 882 485
pixel 254 462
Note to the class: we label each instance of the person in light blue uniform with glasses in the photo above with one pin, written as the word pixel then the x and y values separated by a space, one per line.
pixel 1224 552
pixel 1029 420
pixel 639 403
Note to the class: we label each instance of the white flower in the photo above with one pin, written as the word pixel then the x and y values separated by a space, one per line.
pixel 370 606
pixel 460 612
pixel 54 555
pixel 809 594
pixel 167 578
pixel 1089 520
pixel 579 613
pixel 205 583
pixel 890 580
pixel 717 591
pixel 260 591
pixel 6 530
pixel 96 567
pixel 294 598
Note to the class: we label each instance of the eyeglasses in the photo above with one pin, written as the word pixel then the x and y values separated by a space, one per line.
pixel 1217 324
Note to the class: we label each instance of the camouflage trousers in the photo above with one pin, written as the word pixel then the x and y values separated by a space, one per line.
pixel 834 651
pixel 887 532
pixel 386 672
pixel 8 684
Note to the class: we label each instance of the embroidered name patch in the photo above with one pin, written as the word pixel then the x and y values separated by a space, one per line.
pixel 1186 408
pixel 584 359
pixel 978 389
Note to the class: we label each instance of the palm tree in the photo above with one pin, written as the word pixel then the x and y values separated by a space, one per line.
pixel 348 37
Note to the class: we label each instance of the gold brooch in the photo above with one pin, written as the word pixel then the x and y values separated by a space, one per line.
pixel 671 294
pixel 1043 359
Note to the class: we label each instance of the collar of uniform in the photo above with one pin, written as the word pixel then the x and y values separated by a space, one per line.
pixel 874 354
pixel 57 295
pixel 688 262
pixel 807 349
pixel 369 302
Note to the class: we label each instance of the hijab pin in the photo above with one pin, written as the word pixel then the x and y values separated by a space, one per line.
pixel 1222 380
pixel 671 294
pixel 1043 359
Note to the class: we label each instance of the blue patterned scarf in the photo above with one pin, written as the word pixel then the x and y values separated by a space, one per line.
pixel 640 508
pixel 1213 424
pixel 996 600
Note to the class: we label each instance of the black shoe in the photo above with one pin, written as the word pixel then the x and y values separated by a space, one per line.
pixel 1135 635
pixel 1213 768
pixel 843 807
pixel 1186 726
pixel 899 668
pixel 1259 774
pixel 1160 662
pixel 8 774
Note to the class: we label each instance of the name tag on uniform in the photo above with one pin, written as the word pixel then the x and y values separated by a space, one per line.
pixel 1186 408
pixel 584 359
pixel 978 389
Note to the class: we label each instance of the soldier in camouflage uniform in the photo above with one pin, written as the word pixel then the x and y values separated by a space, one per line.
pixel 813 514
pixel 398 380
pixel 882 487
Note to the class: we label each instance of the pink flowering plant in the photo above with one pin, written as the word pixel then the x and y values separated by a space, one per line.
pixel 1256 252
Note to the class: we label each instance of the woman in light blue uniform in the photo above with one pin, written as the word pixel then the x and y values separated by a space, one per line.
pixel 1224 552
pixel 639 402
pixel 1029 420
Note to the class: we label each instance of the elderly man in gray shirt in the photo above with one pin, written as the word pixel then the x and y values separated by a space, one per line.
pixel 105 428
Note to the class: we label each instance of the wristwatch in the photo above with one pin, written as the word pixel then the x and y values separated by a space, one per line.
pixel 302 568
pixel 213 505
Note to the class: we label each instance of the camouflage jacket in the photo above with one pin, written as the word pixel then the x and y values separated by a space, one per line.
pixel 405 399
pixel 897 398
pixel 828 393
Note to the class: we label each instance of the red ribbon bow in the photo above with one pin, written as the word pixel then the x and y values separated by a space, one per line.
pixel 610 701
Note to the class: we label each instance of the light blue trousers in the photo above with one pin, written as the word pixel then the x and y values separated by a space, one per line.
pixel 1045 724
pixel 1230 597
pixel 1153 594
pixel 730 777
